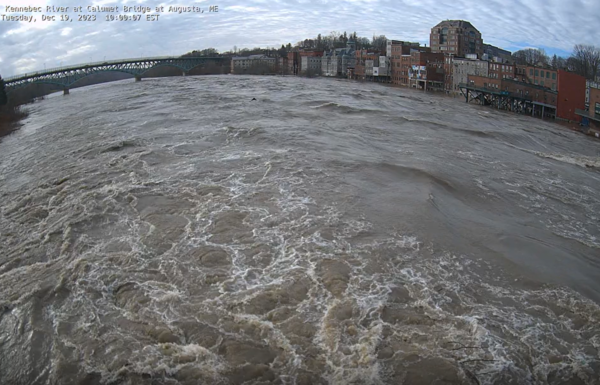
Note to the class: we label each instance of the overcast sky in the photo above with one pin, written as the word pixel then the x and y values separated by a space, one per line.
pixel 555 25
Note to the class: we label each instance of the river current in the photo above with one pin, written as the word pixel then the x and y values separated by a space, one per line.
pixel 173 231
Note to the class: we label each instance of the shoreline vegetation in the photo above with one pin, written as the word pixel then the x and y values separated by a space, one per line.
pixel 10 116
pixel 11 112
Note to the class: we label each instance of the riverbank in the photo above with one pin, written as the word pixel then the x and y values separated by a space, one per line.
pixel 10 116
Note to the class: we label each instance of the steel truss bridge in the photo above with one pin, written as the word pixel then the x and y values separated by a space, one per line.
pixel 65 77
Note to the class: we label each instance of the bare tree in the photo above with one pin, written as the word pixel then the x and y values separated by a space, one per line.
pixel 585 60
pixel 531 56
pixel 379 42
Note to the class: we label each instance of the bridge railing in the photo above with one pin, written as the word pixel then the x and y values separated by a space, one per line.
pixel 96 64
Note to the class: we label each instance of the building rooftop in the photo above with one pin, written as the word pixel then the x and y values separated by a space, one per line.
pixel 455 23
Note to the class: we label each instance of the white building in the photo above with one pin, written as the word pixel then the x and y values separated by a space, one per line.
pixel 312 64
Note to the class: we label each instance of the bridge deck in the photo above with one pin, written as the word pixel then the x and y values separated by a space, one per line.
pixel 66 76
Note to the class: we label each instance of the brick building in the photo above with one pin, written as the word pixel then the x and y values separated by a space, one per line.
pixel 398 53
pixel 542 76
pixel 571 95
pixel 293 62
pixel 501 71
pixel 426 69
pixel 456 37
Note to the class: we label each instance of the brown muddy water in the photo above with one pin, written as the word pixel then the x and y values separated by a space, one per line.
pixel 175 232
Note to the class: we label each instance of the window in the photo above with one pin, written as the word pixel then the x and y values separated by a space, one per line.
pixel 547 75
pixel 597 111
pixel 542 74
pixel 542 83
pixel 554 76
pixel 537 73
pixel 531 72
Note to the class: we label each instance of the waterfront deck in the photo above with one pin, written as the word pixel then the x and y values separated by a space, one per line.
pixel 504 100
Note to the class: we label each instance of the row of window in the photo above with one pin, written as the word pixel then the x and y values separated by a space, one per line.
pixel 541 73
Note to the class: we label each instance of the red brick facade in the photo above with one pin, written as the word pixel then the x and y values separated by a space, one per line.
pixel 501 71
pixel 571 95
pixel 400 61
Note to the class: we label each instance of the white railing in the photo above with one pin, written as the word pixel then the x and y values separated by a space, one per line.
pixel 95 64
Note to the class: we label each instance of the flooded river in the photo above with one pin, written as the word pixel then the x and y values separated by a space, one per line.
pixel 173 231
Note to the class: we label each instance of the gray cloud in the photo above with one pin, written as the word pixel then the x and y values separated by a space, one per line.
pixel 511 24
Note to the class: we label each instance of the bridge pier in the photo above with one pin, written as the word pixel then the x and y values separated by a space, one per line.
pixel 184 74
pixel 66 91
pixel 138 78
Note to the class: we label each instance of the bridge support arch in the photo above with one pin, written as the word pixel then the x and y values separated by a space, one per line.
pixel 66 91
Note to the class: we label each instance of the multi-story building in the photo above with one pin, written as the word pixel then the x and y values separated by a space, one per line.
pixel 359 64
pixel 282 66
pixel 337 61
pixel 462 68
pixel 591 115
pixel 456 37
pixel 588 86
pixel 501 70
pixel 496 54
pixel 542 76
pixel 293 62
pixel 245 64
pixel 521 73
pixel 396 50
pixel 384 71
pixel 371 63
pixel 426 69
pixel 310 62
pixel 571 95
pixel 594 112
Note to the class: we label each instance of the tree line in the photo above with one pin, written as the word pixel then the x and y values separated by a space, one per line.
pixel 585 60
pixel 320 43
